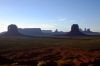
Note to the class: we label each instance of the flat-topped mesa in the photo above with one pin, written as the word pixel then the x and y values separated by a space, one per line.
pixel 75 31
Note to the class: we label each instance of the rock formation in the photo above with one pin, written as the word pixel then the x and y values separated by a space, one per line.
pixel 31 31
pixel 75 31
pixel 12 31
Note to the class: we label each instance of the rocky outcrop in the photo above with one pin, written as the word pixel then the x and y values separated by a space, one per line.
pixel 75 31
pixel 12 31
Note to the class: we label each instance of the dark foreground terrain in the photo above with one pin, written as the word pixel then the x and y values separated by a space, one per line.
pixel 80 51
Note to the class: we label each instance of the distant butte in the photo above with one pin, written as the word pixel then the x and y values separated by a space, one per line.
pixel 75 31
pixel 12 31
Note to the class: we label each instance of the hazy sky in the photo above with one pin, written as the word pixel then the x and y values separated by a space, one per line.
pixel 50 14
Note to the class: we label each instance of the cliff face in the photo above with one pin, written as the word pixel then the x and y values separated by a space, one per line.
pixel 31 31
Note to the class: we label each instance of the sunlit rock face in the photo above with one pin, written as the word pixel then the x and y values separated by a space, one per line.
pixel 75 31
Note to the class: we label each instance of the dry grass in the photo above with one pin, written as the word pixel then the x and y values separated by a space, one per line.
pixel 60 50
pixel 23 43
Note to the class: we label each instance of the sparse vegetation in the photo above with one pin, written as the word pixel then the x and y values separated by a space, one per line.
pixel 59 51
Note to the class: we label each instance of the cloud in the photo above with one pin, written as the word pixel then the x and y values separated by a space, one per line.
pixel 60 19
pixel 36 25
pixel 48 26
pixel 73 20
pixel 3 27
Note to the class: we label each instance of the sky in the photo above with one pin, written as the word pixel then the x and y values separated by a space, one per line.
pixel 50 14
